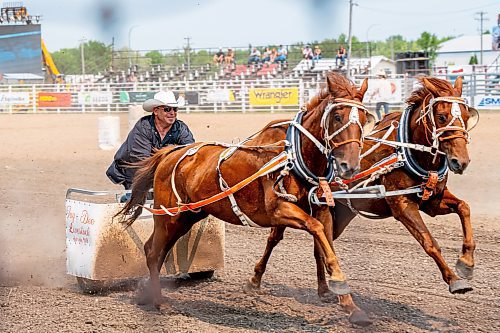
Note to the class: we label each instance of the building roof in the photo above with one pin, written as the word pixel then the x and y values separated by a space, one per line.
pixel 22 76
pixel 466 44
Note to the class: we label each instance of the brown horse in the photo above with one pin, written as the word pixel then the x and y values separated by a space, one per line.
pixel 325 137
pixel 430 136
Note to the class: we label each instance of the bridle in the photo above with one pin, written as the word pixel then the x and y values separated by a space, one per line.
pixel 437 133
pixel 353 119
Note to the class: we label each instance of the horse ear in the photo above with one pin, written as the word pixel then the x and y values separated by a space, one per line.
pixel 427 84
pixel 329 84
pixel 458 85
pixel 362 90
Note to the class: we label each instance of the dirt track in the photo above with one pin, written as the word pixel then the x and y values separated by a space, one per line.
pixel 393 279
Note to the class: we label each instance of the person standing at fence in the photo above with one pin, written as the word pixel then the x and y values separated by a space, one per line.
pixel 159 129
pixel 382 94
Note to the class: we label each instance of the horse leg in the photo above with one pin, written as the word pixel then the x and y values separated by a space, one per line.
pixel 167 231
pixel 451 204
pixel 356 315
pixel 407 211
pixel 275 236
pixel 290 215
pixel 342 215
pixel 190 219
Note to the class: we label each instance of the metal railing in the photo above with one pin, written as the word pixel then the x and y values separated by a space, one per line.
pixel 112 98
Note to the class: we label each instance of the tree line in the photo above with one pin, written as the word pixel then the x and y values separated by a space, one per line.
pixel 101 58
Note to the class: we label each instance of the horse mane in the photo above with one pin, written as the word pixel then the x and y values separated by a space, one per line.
pixel 417 97
pixel 337 86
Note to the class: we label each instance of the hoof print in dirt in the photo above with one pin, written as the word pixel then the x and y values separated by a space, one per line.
pixel 360 318
pixel 328 297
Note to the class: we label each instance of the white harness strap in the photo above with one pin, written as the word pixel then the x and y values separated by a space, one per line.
pixel 456 114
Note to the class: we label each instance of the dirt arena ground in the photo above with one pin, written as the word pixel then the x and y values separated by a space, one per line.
pixel 392 278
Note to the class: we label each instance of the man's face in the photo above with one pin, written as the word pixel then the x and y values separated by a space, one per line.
pixel 166 115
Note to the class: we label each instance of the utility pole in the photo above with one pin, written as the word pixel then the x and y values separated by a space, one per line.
pixel 188 50
pixel 481 19
pixel 82 53
pixel 349 51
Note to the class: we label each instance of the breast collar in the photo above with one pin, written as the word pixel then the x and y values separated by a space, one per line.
pixel 298 167
pixel 410 164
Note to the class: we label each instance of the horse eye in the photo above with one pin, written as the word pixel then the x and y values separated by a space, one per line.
pixel 337 117
pixel 441 118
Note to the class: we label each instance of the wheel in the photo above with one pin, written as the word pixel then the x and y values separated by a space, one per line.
pixel 201 275
pixel 90 286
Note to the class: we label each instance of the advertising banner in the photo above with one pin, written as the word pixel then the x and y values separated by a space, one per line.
pixel 274 96
pixel 95 97
pixel 488 102
pixel 14 98
pixel 54 99
pixel 220 96
pixel 384 90
pixel 191 97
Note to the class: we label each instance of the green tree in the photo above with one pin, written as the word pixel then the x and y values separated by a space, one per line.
pixel 97 59
pixel 156 57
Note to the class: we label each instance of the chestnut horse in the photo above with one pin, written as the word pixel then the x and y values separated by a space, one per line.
pixel 430 136
pixel 327 136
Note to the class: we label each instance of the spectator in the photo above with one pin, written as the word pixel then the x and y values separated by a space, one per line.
pixel 219 57
pixel 274 54
pixel 254 56
pixel 382 94
pixel 266 56
pixel 282 53
pixel 341 55
pixel 307 52
pixel 317 53
pixel 229 59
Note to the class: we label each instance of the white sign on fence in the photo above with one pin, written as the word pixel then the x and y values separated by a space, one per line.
pixel 18 98
pixel 487 102
pixel 95 97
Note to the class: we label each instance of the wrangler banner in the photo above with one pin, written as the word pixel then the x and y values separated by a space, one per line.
pixel 54 99
pixel 274 96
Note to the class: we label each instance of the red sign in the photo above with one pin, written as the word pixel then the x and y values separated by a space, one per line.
pixel 54 99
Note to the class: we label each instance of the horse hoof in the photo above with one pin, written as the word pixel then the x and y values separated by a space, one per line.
pixel 339 287
pixel 251 287
pixel 327 296
pixel 460 287
pixel 463 270
pixel 360 318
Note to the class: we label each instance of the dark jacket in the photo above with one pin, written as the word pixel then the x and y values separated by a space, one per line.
pixel 141 141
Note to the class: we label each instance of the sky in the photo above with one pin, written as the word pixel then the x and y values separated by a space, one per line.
pixel 162 25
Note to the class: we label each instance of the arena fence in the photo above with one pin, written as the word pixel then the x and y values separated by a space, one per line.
pixel 269 95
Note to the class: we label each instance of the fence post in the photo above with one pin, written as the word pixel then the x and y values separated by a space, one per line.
pixel 243 97
pixel 34 96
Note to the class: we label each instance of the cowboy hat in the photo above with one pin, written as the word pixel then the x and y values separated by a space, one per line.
pixel 163 98
pixel 381 73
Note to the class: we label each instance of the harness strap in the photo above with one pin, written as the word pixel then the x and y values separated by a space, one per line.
pixel 276 163
pixel 430 185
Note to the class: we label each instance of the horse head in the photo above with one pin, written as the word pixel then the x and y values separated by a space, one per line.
pixel 451 119
pixel 344 121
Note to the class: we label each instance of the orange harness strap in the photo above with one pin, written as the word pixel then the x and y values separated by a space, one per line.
pixel 430 186
pixel 367 172
pixel 195 205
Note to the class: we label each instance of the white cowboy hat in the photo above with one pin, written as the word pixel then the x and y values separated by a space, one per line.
pixel 381 73
pixel 163 98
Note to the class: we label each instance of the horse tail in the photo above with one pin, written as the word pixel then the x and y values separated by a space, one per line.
pixel 142 183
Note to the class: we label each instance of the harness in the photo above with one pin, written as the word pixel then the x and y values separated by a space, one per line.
pixel 403 157
pixel 289 159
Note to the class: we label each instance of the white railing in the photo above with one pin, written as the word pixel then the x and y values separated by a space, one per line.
pixel 204 96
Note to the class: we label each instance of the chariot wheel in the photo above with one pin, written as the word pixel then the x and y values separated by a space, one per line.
pixel 89 286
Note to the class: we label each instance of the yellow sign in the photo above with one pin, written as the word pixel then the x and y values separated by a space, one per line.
pixel 274 96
